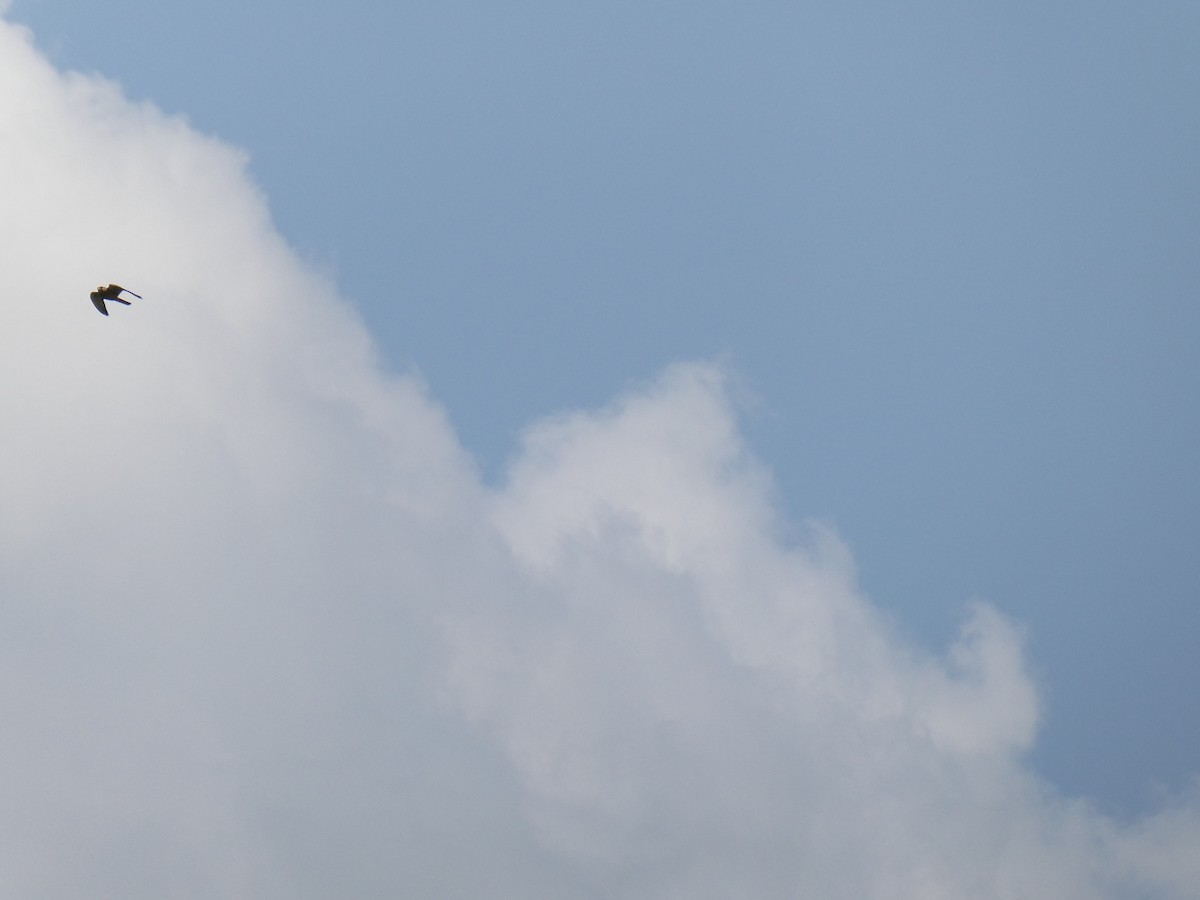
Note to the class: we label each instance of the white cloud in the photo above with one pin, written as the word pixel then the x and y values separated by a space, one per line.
pixel 264 633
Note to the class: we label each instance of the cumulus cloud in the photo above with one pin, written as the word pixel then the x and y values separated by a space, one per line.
pixel 264 632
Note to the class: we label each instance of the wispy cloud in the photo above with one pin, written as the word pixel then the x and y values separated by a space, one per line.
pixel 264 632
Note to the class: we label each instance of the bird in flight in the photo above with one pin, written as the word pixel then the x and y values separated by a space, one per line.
pixel 110 292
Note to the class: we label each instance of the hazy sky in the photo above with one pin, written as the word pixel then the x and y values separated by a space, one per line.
pixel 616 450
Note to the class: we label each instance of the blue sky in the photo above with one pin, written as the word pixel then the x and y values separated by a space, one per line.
pixel 950 254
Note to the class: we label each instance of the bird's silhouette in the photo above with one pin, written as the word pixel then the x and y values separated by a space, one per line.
pixel 110 292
